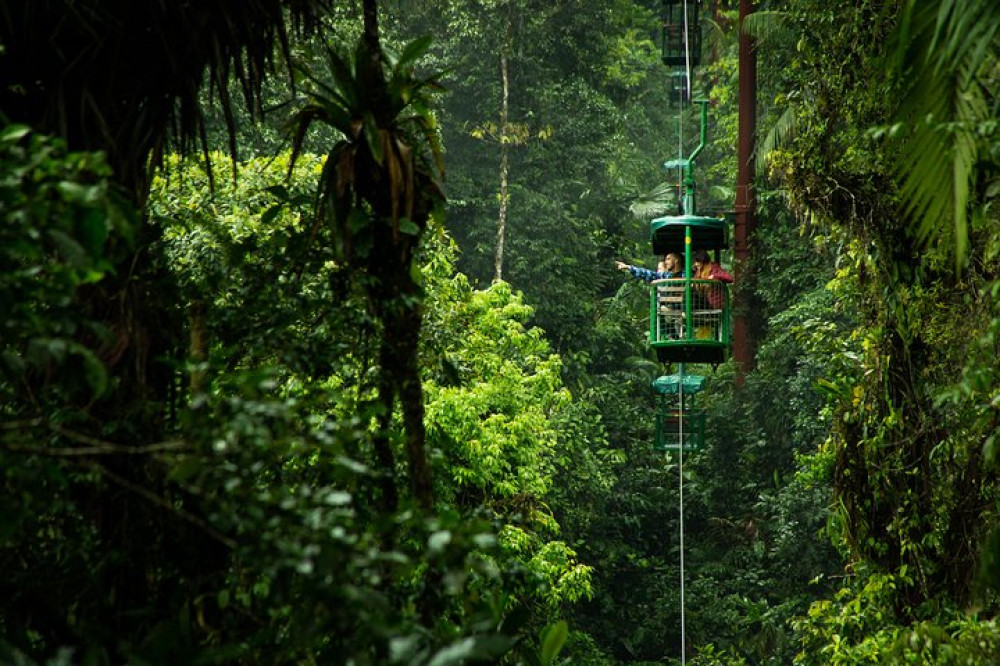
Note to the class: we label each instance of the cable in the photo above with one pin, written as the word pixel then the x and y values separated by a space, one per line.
pixel 680 152
pixel 687 50
pixel 680 485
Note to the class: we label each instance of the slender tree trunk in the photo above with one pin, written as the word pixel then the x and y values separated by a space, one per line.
pixel 370 72
pixel 745 329
pixel 411 398
pixel 370 14
pixel 504 156
pixel 401 323
pixel 395 298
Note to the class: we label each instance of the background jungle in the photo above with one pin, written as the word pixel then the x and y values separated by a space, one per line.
pixel 313 351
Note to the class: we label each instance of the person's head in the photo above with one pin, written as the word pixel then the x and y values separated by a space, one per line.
pixel 701 261
pixel 672 262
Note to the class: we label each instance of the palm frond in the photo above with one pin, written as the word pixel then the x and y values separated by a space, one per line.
pixel 781 131
pixel 660 200
pixel 410 54
pixel 121 77
pixel 390 159
pixel 940 48
pixel 965 31
pixel 768 25
pixel 344 78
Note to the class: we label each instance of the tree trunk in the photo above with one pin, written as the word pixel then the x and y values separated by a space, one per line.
pixel 504 156
pixel 388 499
pixel 394 297
pixel 411 399
pixel 395 303
pixel 197 345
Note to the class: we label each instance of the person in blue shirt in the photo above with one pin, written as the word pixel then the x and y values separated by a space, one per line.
pixel 670 266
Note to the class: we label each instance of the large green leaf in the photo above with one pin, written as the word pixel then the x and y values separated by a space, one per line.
pixel 941 48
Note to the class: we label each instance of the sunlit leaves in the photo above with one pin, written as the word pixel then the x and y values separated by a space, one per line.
pixel 495 421
pixel 633 56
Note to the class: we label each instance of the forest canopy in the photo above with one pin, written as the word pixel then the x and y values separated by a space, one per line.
pixel 313 348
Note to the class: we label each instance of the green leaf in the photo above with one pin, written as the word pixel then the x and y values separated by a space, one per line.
pixel 409 227
pixel 413 50
pixel 271 214
pixel 92 231
pixel 69 248
pixel 373 138
pixel 84 195
pixel 94 370
pixel 185 469
pixel 437 541
pixel 553 638
pixel 278 191
pixel 475 648
pixel 404 649
pixel 14 133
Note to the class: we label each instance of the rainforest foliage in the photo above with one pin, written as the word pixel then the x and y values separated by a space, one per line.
pixel 263 399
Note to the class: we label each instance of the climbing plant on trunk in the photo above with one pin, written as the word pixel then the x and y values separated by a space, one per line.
pixel 379 189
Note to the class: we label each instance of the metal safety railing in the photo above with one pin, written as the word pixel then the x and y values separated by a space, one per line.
pixel 689 311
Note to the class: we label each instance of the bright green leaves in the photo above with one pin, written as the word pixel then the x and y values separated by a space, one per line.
pixel 860 627
pixel 494 417
pixel 495 426
pixel 633 58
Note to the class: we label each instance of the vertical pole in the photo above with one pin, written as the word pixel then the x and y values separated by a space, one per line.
pixel 680 160
pixel 689 184
pixel 744 347
pixel 505 49
pixel 687 283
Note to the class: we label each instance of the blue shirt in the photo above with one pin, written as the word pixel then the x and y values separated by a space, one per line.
pixel 649 275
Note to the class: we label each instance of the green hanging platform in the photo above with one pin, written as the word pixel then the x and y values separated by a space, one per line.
pixel 677 404
pixel 680 33
pixel 668 436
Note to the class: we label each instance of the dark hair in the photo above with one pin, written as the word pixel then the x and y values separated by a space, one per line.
pixel 702 256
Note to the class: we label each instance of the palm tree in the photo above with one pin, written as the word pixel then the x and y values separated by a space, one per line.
pixel 379 189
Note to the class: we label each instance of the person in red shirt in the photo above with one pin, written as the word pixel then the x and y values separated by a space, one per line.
pixel 706 269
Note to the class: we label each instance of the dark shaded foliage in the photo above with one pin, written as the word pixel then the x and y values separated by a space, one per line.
pixel 124 77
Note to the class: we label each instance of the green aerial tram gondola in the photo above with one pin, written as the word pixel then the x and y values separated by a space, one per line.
pixel 689 317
